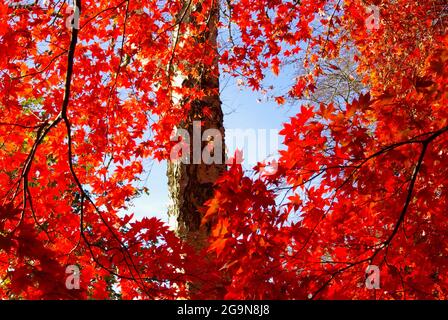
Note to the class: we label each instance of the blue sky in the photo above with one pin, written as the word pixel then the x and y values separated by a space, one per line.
pixel 243 109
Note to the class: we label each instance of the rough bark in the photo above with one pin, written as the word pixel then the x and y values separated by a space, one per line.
pixel 190 185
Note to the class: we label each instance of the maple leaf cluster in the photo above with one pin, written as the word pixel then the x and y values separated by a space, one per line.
pixel 360 183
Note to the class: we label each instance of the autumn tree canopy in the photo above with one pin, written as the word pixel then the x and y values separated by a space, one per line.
pixel 87 92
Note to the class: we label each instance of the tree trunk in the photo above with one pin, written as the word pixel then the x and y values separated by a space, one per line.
pixel 191 184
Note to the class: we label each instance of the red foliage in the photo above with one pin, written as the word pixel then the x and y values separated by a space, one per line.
pixel 359 184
